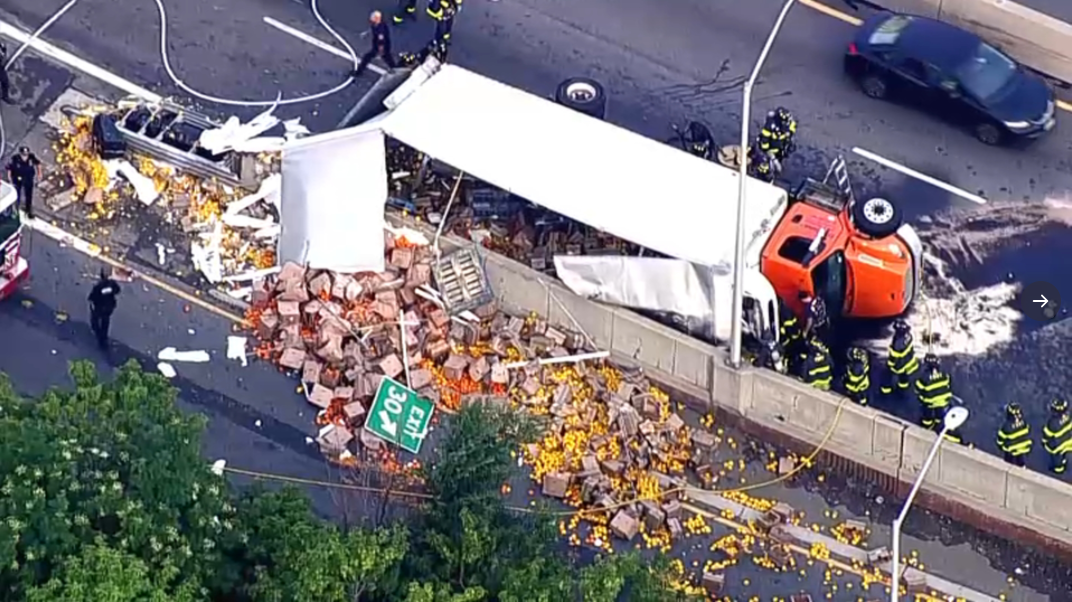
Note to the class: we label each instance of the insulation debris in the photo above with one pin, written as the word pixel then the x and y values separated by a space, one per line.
pixel 228 230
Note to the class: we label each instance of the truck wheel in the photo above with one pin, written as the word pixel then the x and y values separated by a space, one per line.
pixel 874 87
pixel 877 217
pixel 583 94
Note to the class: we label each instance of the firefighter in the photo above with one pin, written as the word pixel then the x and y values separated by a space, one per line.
pixel 902 363
pixel 1014 437
pixel 792 339
pixel 380 36
pixel 776 135
pixel 816 369
pixel 102 302
pixel 443 11
pixel 771 355
pixel 857 379
pixel 407 9
pixel 762 165
pixel 698 141
pixel 934 390
pixel 1057 436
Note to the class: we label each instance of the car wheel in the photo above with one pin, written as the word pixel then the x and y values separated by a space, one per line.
pixel 875 87
pixel 583 94
pixel 988 133
pixel 877 217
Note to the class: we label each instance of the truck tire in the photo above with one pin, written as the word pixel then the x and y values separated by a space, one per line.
pixel 583 94
pixel 877 217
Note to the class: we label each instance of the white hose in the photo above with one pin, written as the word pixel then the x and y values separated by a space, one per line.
pixel 165 58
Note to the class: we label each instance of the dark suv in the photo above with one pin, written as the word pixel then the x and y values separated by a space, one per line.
pixel 951 73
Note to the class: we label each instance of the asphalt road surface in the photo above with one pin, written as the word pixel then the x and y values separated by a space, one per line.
pixel 257 422
pixel 662 62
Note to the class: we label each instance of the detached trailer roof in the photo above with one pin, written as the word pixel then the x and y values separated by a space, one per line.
pixel 596 173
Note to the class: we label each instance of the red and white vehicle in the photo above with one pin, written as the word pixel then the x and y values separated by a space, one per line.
pixel 13 267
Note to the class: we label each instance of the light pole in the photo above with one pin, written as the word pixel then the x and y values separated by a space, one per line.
pixel 952 421
pixel 742 176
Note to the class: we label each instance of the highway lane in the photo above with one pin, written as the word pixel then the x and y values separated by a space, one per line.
pixel 661 62
pixel 257 422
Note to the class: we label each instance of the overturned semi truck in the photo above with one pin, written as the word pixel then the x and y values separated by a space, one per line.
pixel 816 240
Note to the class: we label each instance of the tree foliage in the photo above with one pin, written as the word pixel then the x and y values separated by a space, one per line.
pixel 105 497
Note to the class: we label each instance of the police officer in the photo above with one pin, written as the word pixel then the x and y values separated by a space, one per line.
pixel 1057 436
pixel 902 363
pixel 934 390
pixel 5 83
pixel 443 11
pixel 816 369
pixel 1014 437
pixel 381 44
pixel 857 379
pixel 24 169
pixel 102 302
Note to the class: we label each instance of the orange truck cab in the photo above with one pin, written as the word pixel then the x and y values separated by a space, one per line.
pixel 859 257
pixel 13 267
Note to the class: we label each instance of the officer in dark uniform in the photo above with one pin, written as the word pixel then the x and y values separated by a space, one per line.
pixel 934 390
pixel 443 11
pixel 857 379
pixel 818 320
pixel 902 363
pixel 816 369
pixel 5 83
pixel 771 355
pixel 1057 436
pixel 102 302
pixel 381 44
pixel 1014 437
pixel 24 169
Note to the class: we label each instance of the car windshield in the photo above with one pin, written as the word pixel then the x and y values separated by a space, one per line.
pixel 986 72
pixel 829 279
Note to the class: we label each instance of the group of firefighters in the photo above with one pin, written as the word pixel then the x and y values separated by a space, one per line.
pixel 809 357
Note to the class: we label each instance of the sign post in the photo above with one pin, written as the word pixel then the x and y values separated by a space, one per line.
pixel 399 415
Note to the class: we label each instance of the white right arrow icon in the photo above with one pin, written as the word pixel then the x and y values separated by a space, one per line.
pixel 1042 302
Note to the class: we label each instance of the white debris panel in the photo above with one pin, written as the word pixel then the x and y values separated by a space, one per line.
pixel 334 187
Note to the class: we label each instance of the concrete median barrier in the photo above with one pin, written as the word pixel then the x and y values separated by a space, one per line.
pixel 1036 39
pixel 966 484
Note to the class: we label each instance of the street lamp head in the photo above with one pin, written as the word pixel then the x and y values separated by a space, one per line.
pixel 955 417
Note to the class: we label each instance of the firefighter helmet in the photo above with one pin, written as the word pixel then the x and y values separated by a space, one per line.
pixel 1058 406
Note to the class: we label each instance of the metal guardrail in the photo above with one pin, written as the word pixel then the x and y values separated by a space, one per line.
pixel 170 133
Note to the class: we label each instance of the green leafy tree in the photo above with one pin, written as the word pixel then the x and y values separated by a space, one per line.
pixel 290 556
pixel 115 465
pixel 100 574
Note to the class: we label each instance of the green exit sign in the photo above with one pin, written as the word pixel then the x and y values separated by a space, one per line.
pixel 399 415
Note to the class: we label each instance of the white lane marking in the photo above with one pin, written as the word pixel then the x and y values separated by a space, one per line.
pixel 919 176
pixel 63 237
pixel 322 45
pixel 78 64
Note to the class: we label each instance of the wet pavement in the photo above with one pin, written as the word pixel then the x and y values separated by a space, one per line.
pixel 258 422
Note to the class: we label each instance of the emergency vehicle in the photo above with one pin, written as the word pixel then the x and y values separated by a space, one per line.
pixel 13 267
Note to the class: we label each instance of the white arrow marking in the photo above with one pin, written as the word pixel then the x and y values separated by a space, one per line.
pixel 388 425
pixel 1042 302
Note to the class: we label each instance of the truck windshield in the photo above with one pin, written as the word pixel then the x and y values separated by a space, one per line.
pixel 829 282
pixel 9 222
